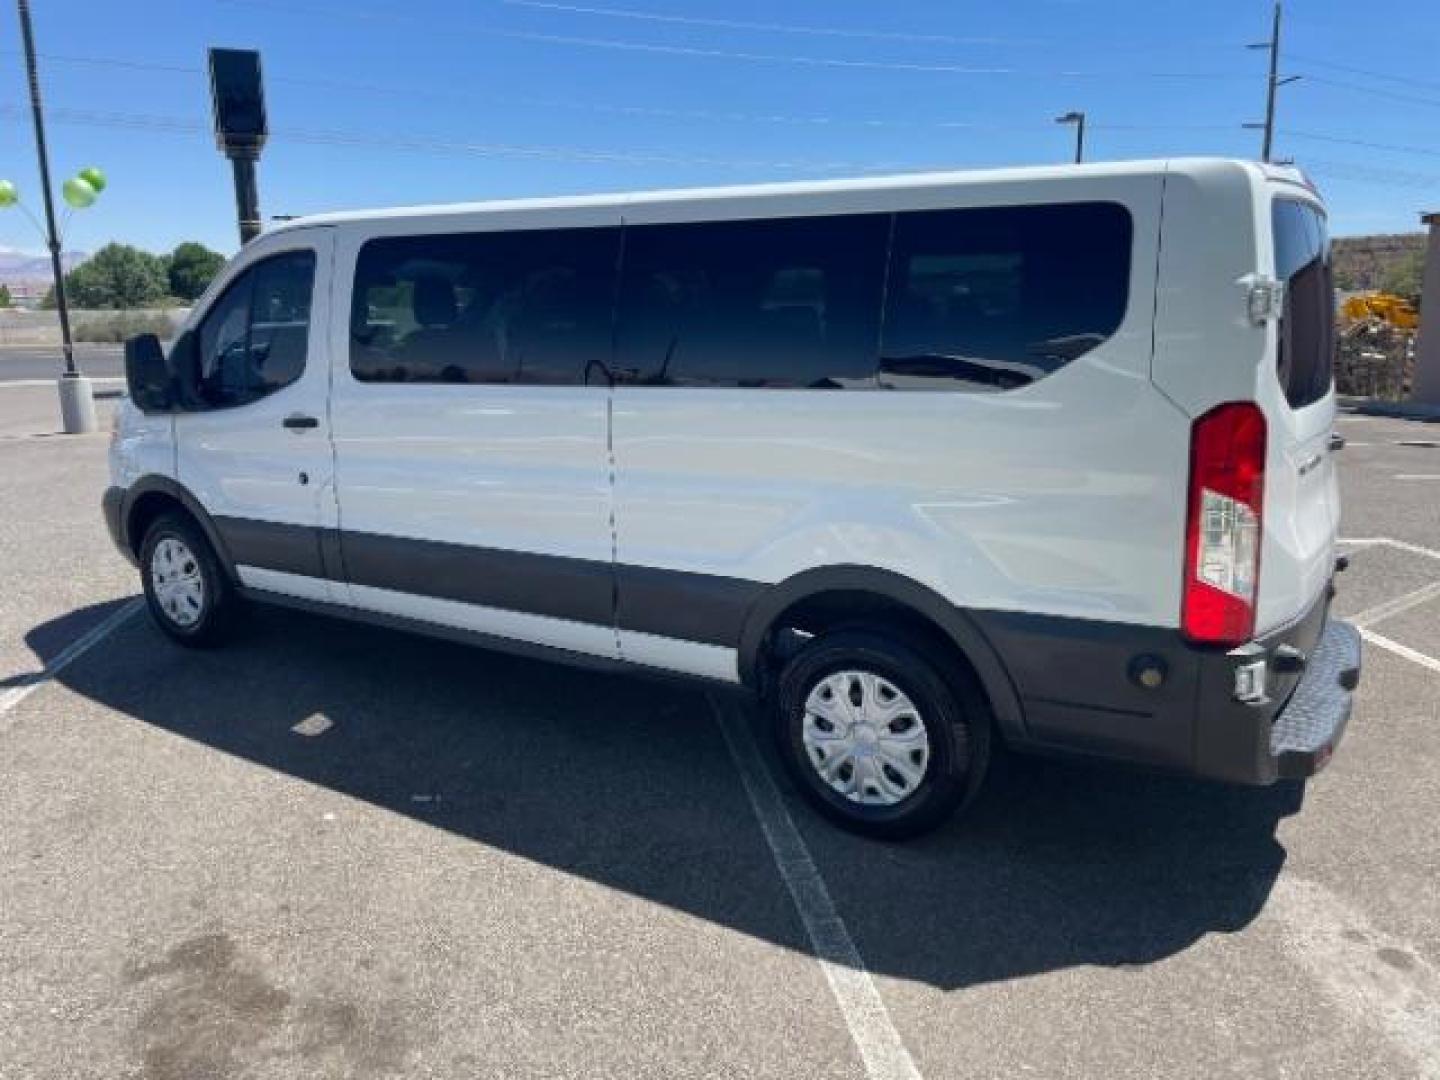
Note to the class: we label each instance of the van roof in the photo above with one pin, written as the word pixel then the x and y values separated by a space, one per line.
pixel 901 182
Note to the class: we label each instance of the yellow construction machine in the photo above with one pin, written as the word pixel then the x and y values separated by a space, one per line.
pixel 1381 306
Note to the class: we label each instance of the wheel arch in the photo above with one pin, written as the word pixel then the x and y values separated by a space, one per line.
pixel 894 592
pixel 153 495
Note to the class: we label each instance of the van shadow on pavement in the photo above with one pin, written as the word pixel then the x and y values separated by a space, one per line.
pixel 627 782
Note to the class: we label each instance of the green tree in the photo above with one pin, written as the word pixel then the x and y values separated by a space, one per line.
pixel 118 276
pixel 5 298
pixel 191 268
pixel 1404 276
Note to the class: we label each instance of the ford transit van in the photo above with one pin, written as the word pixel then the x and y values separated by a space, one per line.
pixel 934 466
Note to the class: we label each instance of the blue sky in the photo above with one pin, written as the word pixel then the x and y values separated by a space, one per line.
pixel 379 102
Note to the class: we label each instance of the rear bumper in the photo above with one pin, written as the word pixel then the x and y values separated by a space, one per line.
pixel 1310 726
pixel 1294 729
pixel 1081 693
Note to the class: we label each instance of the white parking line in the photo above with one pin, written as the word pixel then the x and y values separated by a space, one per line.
pixel 871 1028
pixel 1417 476
pixel 1370 616
pixel 1402 545
pixel 1392 607
pixel 92 637
pixel 1413 655
pixel 1376 978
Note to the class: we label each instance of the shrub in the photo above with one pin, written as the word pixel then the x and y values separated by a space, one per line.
pixel 115 326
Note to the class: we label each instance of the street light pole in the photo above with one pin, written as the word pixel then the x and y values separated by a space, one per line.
pixel 77 403
pixel 1078 119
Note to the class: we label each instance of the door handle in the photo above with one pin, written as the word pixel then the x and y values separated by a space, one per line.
pixel 298 422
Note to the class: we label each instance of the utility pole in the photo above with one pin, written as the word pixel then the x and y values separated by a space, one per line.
pixel 1078 119
pixel 1273 83
pixel 77 402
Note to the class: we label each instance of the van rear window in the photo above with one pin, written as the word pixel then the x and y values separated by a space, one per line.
pixel 1305 354
pixel 997 298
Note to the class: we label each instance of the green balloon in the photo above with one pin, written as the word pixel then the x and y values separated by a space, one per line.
pixel 94 177
pixel 78 193
pixel 9 193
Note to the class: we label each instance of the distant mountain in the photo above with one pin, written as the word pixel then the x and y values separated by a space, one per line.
pixel 19 267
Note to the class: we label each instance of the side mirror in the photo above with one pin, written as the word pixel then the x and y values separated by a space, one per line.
pixel 147 375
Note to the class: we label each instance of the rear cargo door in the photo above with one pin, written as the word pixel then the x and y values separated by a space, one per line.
pixel 1302 499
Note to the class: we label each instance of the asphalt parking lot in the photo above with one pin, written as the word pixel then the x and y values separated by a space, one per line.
pixel 332 850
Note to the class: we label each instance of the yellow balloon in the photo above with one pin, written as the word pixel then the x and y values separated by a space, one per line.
pixel 9 193
pixel 78 193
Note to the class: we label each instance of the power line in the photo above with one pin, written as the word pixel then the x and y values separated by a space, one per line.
pixel 411 93
pixel 1428 84
pixel 1369 174
pixel 1389 95
pixel 656 48
pixel 1314 136
pixel 746 25
pixel 184 125
pixel 768 27
pixel 325 137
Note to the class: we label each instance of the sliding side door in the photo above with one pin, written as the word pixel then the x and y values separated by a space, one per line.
pixel 471 413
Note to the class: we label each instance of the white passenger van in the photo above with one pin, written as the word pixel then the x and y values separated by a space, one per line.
pixel 934 465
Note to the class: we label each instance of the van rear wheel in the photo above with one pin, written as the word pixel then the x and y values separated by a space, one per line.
pixel 876 735
pixel 187 592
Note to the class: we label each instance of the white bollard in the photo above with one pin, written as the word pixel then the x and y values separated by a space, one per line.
pixel 77 405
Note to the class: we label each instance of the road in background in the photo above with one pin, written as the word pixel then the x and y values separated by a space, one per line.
pixel 333 850
pixel 22 363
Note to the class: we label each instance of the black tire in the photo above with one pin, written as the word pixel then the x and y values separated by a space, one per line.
pixel 219 605
pixel 952 710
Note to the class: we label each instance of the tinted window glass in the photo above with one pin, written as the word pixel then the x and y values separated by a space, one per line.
pixel 280 319
pixel 1304 358
pixel 254 339
pixel 775 303
pixel 500 307
pixel 993 299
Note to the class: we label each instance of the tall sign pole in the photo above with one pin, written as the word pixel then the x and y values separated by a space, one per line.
pixel 77 402
pixel 237 96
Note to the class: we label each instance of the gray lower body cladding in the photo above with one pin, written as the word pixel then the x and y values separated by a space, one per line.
pixel 1074 678
pixel 1078 690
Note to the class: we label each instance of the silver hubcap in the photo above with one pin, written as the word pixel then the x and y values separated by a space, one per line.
pixel 865 738
pixel 179 587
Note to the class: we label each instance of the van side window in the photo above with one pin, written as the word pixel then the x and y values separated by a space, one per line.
pixel 1304 358
pixel 997 298
pixel 498 307
pixel 254 339
pixel 790 302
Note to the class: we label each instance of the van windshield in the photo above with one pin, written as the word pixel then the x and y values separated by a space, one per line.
pixel 1305 356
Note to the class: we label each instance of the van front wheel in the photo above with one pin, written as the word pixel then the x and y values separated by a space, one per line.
pixel 876 735
pixel 185 588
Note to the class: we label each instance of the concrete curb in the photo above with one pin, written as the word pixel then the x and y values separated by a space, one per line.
pixel 1401 410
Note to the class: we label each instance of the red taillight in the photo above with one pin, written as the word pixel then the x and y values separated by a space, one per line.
pixel 1222 531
